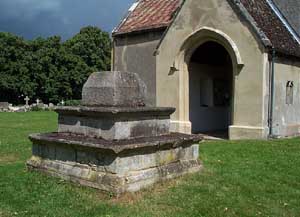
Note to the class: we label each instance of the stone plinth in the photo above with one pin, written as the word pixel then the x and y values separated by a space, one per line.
pixel 114 142
pixel 119 166
pixel 114 123
pixel 114 89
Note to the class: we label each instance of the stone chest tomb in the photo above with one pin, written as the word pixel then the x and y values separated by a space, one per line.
pixel 114 141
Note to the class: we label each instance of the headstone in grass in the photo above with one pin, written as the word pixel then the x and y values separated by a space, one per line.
pixel 26 101
pixel 4 105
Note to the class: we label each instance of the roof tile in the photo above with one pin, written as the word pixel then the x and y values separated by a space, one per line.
pixel 149 14
pixel 267 20
pixel 155 14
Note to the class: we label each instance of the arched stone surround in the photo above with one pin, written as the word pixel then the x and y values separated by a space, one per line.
pixel 190 44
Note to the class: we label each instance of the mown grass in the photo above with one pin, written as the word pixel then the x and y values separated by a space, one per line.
pixel 242 178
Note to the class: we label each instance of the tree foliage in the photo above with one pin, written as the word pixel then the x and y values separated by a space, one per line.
pixel 50 69
pixel 93 46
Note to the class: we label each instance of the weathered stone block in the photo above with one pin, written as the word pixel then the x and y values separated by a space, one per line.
pixel 120 89
pixel 114 123
pixel 120 166
pixel 4 105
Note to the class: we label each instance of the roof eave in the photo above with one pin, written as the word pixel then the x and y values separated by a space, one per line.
pixel 287 56
pixel 139 31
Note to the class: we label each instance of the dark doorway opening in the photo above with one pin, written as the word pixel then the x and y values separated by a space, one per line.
pixel 210 88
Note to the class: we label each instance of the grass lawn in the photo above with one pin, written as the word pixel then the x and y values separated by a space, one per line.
pixel 244 178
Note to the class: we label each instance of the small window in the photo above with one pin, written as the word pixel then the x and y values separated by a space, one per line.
pixel 289 92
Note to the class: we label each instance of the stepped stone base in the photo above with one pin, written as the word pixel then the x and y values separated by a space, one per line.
pixel 115 166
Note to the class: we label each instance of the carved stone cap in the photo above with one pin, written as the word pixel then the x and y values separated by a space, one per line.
pixel 114 89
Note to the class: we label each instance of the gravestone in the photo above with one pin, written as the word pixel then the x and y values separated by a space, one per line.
pixel 4 105
pixel 51 105
pixel 114 142
pixel 27 101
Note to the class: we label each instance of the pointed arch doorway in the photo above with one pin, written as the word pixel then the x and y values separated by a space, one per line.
pixel 214 49
pixel 210 89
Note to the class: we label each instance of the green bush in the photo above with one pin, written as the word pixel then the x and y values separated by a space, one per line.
pixel 36 109
pixel 73 103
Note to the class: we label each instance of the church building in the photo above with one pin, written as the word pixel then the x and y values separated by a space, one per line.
pixel 225 65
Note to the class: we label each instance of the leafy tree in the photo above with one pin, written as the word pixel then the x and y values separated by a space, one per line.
pixel 12 52
pixel 93 46
pixel 49 69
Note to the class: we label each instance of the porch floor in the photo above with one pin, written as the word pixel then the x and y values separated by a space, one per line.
pixel 215 135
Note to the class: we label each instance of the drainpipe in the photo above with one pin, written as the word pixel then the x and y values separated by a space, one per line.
pixel 272 93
